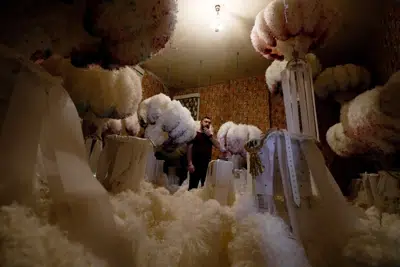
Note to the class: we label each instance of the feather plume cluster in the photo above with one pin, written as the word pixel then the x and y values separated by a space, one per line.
pixel 166 120
pixel 365 126
pixel 137 29
pixel 232 137
pixel 122 33
pixel 344 82
pixel 285 26
pixel 105 93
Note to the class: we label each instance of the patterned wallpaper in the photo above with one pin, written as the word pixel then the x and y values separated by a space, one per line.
pixel 249 101
pixel 278 118
pixel 151 85
pixel 242 101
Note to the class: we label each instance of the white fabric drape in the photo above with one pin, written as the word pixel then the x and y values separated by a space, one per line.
pixel 42 128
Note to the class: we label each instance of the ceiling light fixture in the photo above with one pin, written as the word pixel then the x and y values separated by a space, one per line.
pixel 217 24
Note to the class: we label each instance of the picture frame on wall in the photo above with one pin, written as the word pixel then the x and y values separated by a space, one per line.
pixel 191 102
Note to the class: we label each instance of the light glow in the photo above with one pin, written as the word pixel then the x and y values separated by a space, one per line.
pixel 217 23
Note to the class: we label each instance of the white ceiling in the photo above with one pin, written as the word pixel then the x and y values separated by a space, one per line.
pixel 198 56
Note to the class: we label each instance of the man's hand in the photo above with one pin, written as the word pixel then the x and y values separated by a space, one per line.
pixel 191 168
pixel 225 154
pixel 207 131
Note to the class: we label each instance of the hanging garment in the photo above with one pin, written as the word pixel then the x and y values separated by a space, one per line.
pixel 93 147
pixel 173 179
pixel 41 115
pixel 369 196
pixel 296 185
pixel 154 168
pixel 388 191
pixel 219 182
pixel 241 182
pixel 122 163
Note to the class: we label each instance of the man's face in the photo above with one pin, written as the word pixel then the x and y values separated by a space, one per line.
pixel 206 123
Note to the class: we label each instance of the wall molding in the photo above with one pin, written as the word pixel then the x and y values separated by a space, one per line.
pixel 139 70
pixel 187 96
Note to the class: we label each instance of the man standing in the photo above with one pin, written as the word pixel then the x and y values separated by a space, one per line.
pixel 199 153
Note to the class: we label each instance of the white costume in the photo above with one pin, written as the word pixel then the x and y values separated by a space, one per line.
pixel 294 183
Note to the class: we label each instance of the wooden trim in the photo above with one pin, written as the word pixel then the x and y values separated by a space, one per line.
pixel 198 109
pixel 187 96
pixel 139 70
